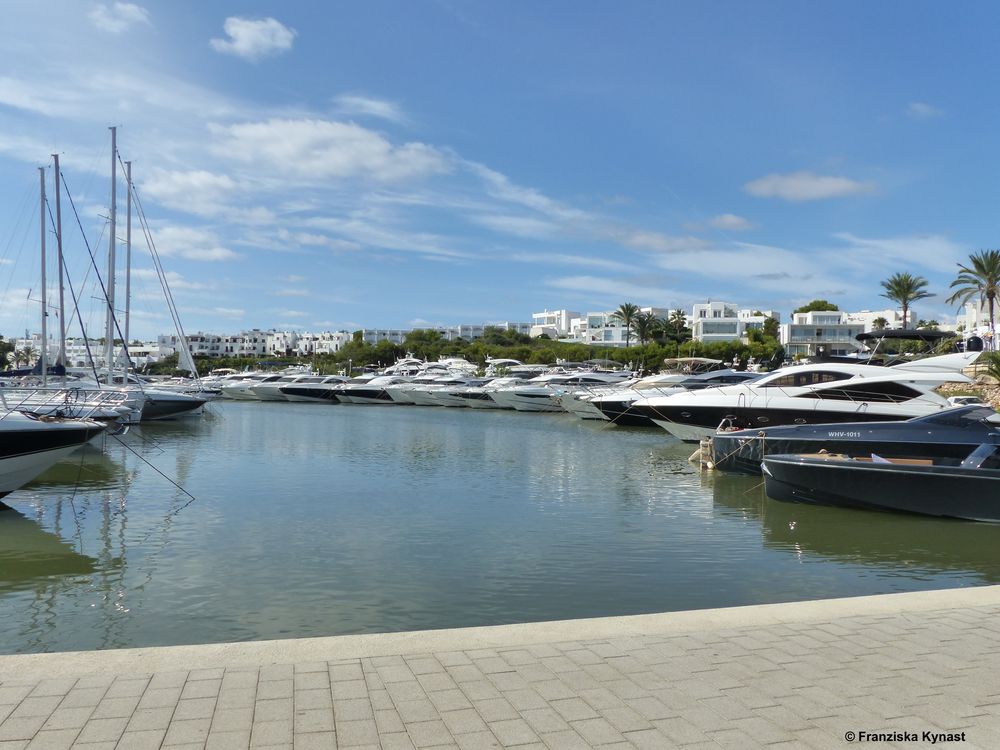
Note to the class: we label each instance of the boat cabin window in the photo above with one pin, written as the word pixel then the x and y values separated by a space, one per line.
pixel 885 392
pixel 811 377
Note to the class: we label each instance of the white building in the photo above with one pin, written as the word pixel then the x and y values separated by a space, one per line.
pixel 556 324
pixel 723 321
pixel 820 332
pixel 893 318
pixel 87 353
pixel 605 329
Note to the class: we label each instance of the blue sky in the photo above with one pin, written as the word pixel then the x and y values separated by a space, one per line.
pixel 329 165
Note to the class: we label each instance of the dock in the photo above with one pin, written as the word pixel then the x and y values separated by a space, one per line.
pixel 817 674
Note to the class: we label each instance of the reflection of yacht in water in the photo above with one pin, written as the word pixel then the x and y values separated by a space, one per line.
pixel 90 468
pixel 28 554
pixel 899 546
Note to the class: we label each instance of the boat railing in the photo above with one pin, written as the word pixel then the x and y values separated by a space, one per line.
pixel 79 403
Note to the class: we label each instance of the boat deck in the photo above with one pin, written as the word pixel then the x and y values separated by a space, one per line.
pixel 786 675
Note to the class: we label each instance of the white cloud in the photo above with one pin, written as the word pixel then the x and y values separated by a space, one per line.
pixel 923 111
pixel 806 186
pixel 191 243
pixel 230 313
pixel 730 222
pixel 661 243
pixel 615 289
pixel 174 279
pixel 569 260
pixel 356 104
pixel 254 39
pixel 931 251
pixel 324 149
pixel 198 192
pixel 379 234
pixel 519 226
pixel 119 17
pixel 290 313
pixel 291 293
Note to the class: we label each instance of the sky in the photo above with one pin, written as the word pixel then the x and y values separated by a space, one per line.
pixel 329 165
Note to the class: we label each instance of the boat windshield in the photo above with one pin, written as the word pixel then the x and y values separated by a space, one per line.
pixel 961 416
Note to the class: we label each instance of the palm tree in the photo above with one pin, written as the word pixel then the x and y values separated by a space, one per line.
pixel 879 323
pixel 905 288
pixel 645 326
pixel 981 278
pixel 677 320
pixel 626 314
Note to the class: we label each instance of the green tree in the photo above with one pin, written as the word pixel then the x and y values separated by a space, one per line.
pixel 816 305
pixel 905 288
pixel 645 325
pixel 423 343
pixel 771 329
pixel 677 321
pixel 626 314
pixel 979 280
pixel 880 323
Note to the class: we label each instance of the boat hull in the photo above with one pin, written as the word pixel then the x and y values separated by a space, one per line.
pixel 943 491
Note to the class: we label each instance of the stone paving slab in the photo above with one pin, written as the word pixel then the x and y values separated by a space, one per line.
pixel 902 670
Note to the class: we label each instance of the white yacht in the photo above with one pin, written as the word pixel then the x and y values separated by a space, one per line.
pixel 368 391
pixel 314 388
pixel 30 444
pixel 270 389
pixel 537 394
pixel 810 394
pixel 614 404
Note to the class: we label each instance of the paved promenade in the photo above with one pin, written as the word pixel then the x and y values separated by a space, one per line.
pixel 801 675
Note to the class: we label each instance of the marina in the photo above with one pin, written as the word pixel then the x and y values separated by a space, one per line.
pixel 368 518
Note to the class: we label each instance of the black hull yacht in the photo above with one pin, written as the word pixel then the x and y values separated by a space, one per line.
pixel 948 434
pixel 968 489
pixel 29 444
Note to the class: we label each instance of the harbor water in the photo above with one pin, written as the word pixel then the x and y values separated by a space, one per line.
pixel 282 520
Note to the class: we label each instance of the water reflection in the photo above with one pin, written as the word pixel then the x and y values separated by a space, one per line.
pixel 30 555
pixel 90 468
pixel 899 545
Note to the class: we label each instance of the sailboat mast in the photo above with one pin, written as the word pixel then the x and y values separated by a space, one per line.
pixel 59 247
pixel 45 337
pixel 109 346
pixel 128 252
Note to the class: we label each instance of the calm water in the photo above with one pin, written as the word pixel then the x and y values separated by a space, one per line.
pixel 317 520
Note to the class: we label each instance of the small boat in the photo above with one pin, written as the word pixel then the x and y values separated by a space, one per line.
pixel 949 433
pixel 967 489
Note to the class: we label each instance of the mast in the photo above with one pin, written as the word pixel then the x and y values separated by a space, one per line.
pixel 45 338
pixel 109 332
pixel 128 255
pixel 62 305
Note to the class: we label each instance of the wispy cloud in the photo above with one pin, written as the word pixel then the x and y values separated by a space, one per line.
pixel 730 223
pixel 368 106
pixel 806 186
pixel 318 149
pixel 930 251
pixel 114 19
pixel 923 110
pixel 191 243
pixel 579 261
pixel 254 39
pixel 290 293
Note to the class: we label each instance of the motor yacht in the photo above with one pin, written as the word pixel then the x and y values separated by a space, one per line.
pixel 810 394
pixel 368 391
pixel 314 388
pixel 537 394
pixel 947 434
pixel 29 444
pixel 614 404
